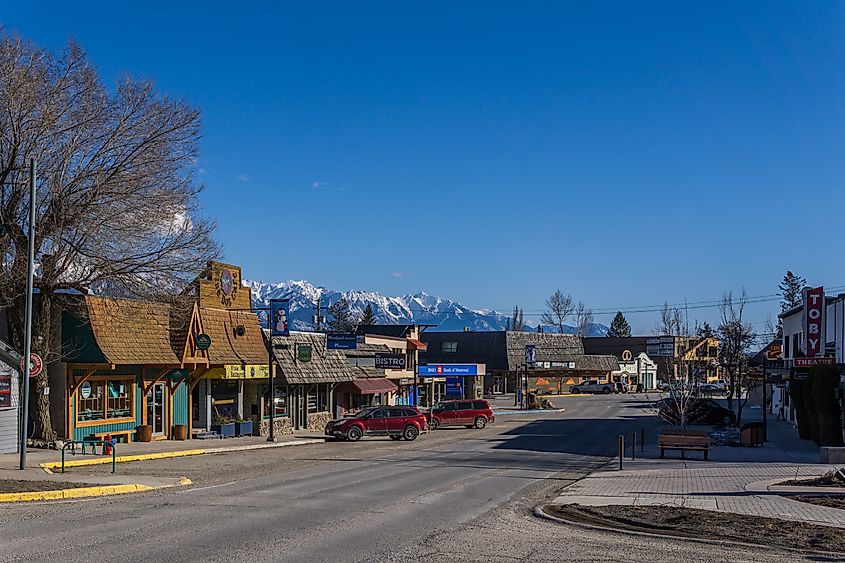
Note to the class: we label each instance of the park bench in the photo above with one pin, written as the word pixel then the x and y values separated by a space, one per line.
pixel 684 443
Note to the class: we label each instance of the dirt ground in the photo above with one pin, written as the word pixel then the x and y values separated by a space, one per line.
pixel 16 486
pixel 705 524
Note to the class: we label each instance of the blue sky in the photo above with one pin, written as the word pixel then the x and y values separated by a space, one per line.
pixel 627 153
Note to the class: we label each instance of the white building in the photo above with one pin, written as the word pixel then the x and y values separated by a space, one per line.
pixel 635 370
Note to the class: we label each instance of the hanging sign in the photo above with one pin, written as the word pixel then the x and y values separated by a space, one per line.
pixel 810 362
pixel 814 321
pixel 203 341
pixel 303 353
pixel 85 389
pixel 341 341
pixel 530 354
pixel 279 315
pixel 35 365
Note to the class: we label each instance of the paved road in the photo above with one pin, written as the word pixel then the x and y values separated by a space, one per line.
pixel 457 495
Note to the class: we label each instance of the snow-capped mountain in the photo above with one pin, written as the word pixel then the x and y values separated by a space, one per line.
pixel 420 308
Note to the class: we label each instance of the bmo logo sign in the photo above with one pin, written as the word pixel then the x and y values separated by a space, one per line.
pixel 814 321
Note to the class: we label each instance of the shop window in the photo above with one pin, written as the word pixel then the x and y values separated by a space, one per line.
pixel 318 399
pixel 104 400
pixel 281 402
pixel 449 347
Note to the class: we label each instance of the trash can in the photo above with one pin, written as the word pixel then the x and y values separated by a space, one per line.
pixel 751 434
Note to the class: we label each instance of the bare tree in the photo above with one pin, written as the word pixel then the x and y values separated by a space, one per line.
pixel 736 336
pixel 559 307
pixel 583 319
pixel 672 321
pixel 117 208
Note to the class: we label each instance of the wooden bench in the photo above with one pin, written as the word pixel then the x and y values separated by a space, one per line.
pixel 125 434
pixel 684 443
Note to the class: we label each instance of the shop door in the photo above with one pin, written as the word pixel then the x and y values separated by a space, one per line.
pixel 155 409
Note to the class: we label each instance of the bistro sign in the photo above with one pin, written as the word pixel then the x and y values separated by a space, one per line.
pixel 390 361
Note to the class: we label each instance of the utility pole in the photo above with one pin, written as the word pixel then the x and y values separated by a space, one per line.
pixel 318 317
pixel 27 343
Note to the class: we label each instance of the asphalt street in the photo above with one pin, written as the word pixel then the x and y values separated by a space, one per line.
pixel 454 495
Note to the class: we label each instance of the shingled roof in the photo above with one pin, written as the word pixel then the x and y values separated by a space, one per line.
pixel 549 347
pixel 133 332
pixel 326 366
pixel 227 346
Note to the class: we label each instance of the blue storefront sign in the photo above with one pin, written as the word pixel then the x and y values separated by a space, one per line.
pixel 341 341
pixel 455 387
pixel 441 370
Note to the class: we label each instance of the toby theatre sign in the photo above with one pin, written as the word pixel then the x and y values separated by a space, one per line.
pixel 813 321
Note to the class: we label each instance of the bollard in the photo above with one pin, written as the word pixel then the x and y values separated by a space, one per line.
pixel 621 450
pixel 633 446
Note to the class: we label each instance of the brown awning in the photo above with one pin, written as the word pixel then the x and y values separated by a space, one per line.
pixel 369 386
pixel 419 345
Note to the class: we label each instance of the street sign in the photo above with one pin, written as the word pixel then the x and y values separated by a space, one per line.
pixel 303 353
pixel 203 341
pixel 341 341
pixel 390 361
pixel 810 362
pixel 35 365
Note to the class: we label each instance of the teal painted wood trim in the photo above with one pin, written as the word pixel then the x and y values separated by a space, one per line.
pixel 180 404
pixel 80 433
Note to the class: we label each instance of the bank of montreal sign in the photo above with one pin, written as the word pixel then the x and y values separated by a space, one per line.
pixel 439 370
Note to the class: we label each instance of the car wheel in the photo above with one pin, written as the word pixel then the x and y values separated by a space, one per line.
pixel 410 433
pixel 480 422
pixel 727 420
pixel 354 434
pixel 433 424
pixel 575 391
pixel 395 437
pixel 607 391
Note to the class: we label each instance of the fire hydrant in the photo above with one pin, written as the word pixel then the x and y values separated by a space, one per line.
pixel 106 444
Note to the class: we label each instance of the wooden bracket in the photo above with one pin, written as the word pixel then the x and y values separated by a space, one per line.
pixel 78 383
pixel 148 388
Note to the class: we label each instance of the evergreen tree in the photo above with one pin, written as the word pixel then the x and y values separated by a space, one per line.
pixel 517 320
pixel 342 318
pixel 705 331
pixel 790 290
pixel 619 327
pixel 368 318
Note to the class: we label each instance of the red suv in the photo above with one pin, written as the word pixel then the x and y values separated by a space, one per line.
pixel 472 414
pixel 396 422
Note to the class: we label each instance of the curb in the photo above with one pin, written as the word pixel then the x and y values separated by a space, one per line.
pixel 531 411
pixel 51 465
pixel 84 492
pixel 540 513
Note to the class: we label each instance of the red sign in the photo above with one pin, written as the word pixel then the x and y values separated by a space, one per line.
pixel 35 365
pixel 814 321
pixel 439 370
pixel 5 390
pixel 810 362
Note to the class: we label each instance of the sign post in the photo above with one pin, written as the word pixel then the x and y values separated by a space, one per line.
pixel 277 323
pixel 27 343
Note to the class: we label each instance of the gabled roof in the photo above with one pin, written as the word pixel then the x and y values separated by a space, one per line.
pixel 326 366
pixel 134 332
pixel 227 345
pixel 364 350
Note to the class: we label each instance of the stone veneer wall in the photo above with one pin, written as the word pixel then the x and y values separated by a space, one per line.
pixel 282 426
pixel 317 421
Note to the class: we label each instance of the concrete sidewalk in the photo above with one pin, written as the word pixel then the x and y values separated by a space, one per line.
pixel 153 450
pixel 737 480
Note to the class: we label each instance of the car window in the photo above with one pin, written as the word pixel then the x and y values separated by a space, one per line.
pixel 396 413
pixel 480 405
pixel 410 412
pixel 363 412
pixel 450 407
pixel 439 407
pixel 465 406
pixel 379 413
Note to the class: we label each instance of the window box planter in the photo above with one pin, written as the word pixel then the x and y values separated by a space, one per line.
pixel 226 430
pixel 243 428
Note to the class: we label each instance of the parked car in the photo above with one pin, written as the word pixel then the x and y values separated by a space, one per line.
pixel 709 388
pixel 593 387
pixel 472 414
pixel 698 411
pixel 396 422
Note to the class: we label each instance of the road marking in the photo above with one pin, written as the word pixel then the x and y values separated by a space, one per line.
pixel 208 487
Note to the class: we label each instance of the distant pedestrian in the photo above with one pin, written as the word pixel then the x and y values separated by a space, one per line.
pixel 781 414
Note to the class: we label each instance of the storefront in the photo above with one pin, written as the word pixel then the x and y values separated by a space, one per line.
pixel 306 377
pixel 451 381
pixel 124 376
pixel 9 399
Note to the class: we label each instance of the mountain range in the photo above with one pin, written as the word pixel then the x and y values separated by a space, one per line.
pixel 420 308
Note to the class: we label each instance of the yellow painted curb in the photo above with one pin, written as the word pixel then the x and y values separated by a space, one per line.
pixel 81 492
pixel 119 459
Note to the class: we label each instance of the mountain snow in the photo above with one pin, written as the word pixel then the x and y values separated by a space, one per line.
pixel 420 308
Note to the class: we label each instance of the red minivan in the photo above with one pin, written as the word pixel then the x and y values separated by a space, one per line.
pixel 396 422
pixel 472 414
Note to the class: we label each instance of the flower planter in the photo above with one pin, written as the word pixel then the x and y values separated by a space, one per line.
pixel 180 432
pixel 226 430
pixel 243 428
pixel 144 433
